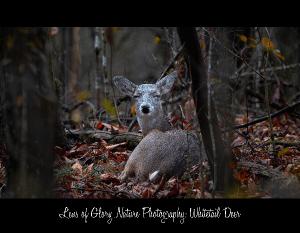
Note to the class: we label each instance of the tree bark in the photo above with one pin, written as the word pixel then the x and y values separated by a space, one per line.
pixel 56 56
pixel 74 65
pixel 193 54
pixel 30 112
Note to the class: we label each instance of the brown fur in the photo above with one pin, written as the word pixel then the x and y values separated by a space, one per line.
pixel 170 153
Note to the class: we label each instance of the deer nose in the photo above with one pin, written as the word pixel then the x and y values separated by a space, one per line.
pixel 145 109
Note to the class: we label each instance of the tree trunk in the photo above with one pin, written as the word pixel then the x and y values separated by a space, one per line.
pixel 223 179
pixel 30 112
pixel 297 83
pixel 74 65
pixel 56 56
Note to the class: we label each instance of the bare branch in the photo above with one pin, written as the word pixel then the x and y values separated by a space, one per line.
pixel 261 119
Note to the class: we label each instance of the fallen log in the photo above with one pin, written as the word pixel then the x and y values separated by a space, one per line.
pixel 260 169
pixel 278 184
pixel 132 138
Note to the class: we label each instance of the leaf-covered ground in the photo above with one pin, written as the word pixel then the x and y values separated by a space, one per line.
pixel 90 168
pixel 280 156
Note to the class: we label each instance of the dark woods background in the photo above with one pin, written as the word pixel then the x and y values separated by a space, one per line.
pixel 238 86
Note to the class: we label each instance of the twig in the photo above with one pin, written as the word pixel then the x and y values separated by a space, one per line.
pixel 170 41
pixel 264 70
pixel 294 97
pixel 116 107
pixel 180 51
pixel 98 51
pixel 156 61
pixel 260 59
pixel 261 98
pixel 236 73
pixel 104 62
pixel 235 54
pixel 133 122
pixel 261 169
pixel 283 143
pixel 68 110
pixel 209 98
pixel 268 108
pixel 111 83
pixel 258 120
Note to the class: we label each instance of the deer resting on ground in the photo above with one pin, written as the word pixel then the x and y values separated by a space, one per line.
pixel 163 151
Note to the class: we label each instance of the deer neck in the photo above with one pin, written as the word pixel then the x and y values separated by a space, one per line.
pixel 149 123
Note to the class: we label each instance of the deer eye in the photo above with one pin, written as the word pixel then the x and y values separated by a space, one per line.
pixel 136 96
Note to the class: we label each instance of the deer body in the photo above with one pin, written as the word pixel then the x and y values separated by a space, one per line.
pixel 163 151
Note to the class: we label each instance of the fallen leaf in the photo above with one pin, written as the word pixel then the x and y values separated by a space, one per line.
pixel 108 178
pixel 157 39
pixel 283 152
pixel 68 161
pixel 202 44
pixel 120 157
pixel 59 151
pixel 173 192
pixel 147 193
pixel 267 43
pixel 90 167
pixel 82 148
pixel 53 31
pixel 278 54
pixel 109 107
pixel 109 126
pixel 241 175
pixel 99 125
pixel 252 187
pixel 76 116
pixel 115 145
pixel 77 167
pixel 133 110
pixel 10 42
pixel 238 142
pixel 83 95
pixel 252 43
pixel 243 38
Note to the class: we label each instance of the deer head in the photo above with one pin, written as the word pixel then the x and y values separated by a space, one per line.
pixel 148 100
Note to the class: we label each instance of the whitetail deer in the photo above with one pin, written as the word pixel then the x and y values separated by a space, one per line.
pixel 163 151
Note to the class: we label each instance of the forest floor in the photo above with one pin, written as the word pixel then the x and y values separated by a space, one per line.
pixel 89 168
pixel 261 170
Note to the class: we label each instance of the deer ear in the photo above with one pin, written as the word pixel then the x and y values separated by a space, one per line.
pixel 125 86
pixel 166 83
